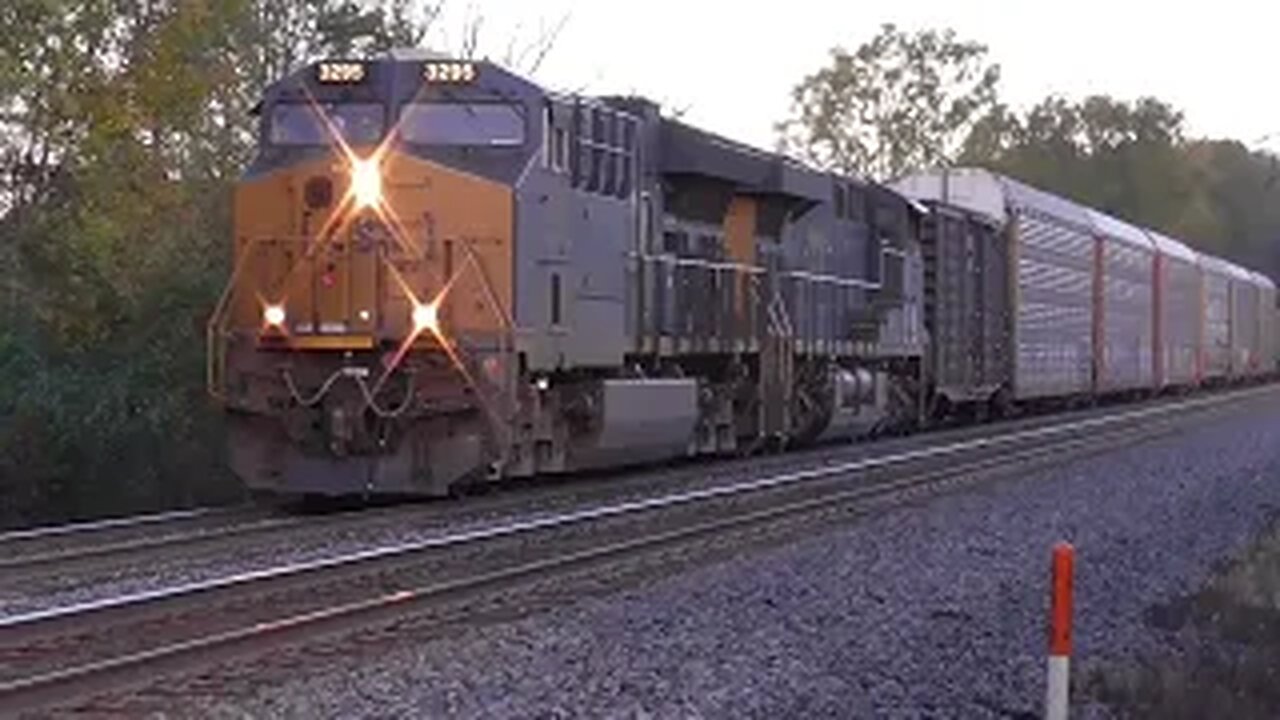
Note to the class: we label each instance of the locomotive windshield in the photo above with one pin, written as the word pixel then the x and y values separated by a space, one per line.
pixel 434 123
pixel 314 124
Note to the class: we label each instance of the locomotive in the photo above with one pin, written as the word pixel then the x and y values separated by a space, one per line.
pixel 444 274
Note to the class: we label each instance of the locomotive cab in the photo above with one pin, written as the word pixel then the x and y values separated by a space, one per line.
pixel 372 281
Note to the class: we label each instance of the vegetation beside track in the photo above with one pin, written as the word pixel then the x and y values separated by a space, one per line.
pixel 1222 658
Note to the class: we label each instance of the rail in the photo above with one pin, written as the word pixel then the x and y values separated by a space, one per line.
pixel 284 605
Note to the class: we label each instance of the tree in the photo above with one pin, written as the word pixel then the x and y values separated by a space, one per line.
pixel 901 101
pixel 123 126
pixel 1132 159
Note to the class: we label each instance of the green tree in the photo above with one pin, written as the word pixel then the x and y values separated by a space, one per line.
pixel 1133 160
pixel 901 101
pixel 123 125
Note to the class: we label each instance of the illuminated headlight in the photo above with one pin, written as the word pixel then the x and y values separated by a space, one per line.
pixel 273 315
pixel 366 182
pixel 426 317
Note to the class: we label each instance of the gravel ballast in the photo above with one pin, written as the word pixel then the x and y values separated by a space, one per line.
pixel 934 609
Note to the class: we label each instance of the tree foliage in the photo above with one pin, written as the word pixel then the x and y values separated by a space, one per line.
pixel 1133 160
pixel 904 102
pixel 123 124
pixel 900 101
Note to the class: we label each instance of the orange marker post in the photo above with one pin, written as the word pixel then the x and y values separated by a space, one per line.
pixel 1057 695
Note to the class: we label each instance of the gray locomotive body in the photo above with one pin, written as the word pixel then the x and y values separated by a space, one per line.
pixel 680 294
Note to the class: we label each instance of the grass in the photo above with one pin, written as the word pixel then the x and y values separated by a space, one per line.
pixel 1223 655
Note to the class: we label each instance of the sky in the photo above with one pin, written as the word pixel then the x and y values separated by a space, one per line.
pixel 730 65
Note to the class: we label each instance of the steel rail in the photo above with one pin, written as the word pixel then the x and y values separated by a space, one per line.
pixel 63 561
pixel 58 620
pixel 80 528
pixel 54 686
pixel 63 547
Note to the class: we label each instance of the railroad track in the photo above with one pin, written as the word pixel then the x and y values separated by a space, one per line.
pixel 49 657
pixel 46 561
pixel 66 545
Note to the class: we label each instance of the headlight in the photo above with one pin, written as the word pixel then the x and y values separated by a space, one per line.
pixel 366 182
pixel 426 317
pixel 273 315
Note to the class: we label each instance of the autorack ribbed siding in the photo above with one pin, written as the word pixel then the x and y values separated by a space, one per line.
pixel 1267 318
pixel 1126 313
pixel 1216 343
pixel 1244 323
pixel 1053 332
pixel 1104 306
pixel 1178 313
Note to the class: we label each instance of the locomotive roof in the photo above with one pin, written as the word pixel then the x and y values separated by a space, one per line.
pixel 395 77
pixel 690 150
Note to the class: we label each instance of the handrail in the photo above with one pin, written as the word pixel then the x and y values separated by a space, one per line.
pixel 215 345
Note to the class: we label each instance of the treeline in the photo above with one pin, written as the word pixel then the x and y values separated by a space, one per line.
pixel 914 99
pixel 124 123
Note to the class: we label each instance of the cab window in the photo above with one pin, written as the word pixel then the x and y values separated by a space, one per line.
pixel 488 124
pixel 305 123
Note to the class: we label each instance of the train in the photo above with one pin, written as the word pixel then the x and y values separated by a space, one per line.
pixel 444 275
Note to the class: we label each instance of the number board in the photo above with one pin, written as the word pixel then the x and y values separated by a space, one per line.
pixel 449 72
pixel 340 72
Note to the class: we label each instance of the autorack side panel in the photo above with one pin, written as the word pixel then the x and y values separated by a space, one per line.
pixel 1053 326
pixel 1244 321
pixel 1216 343
pixel 1127 312
pixel 1267 317
pixel 1178 313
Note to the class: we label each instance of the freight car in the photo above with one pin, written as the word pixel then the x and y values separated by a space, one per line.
pixel 1095 306
pixel 444 274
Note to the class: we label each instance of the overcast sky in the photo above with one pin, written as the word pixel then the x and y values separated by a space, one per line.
pixel 732 64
